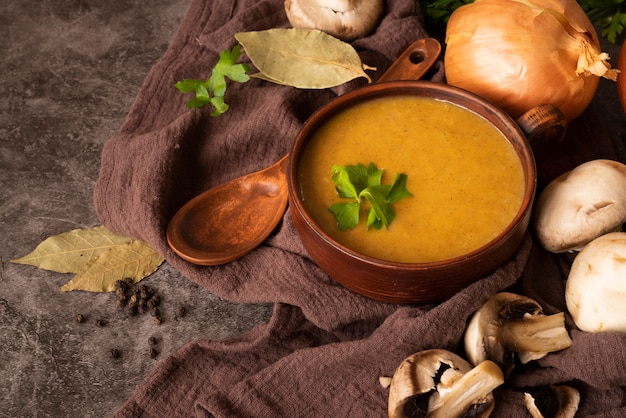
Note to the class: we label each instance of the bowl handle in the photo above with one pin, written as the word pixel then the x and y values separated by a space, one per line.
pixel 544 127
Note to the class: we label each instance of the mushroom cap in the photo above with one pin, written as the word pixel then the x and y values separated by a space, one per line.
pixel 510 325
pixel 437 382
pixel 595 291
pixel 482 334
pixel 580 205
pixel 416 376
pixel 343 19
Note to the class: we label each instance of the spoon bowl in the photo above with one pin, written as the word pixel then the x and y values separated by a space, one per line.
pixel 229 220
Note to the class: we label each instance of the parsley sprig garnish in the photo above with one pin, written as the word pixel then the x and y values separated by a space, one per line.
pixel 359 183
pixel 212 91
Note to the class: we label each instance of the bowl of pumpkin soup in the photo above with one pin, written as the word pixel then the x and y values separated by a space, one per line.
pixel 408 191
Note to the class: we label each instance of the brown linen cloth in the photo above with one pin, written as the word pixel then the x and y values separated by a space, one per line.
pixel 325 347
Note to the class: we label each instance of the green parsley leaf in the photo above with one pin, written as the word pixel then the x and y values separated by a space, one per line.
pixel 345 180
pixel 381 213
pixel 398 189
pixel 373 220
pixel 346 214
pixel 219 105
pixel 212 91
pixel 374 176
pixel 360 183
pixel 227 66
pixel 186 86
pixel 198 102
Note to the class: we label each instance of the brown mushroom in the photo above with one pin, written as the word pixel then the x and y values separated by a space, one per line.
pixel 439 383
pixel 510 325
pixel 343 19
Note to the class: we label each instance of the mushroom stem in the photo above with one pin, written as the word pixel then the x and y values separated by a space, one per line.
pixel 533 337
pixel 466 391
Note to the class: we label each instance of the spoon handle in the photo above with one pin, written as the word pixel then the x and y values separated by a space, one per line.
pixel 414 62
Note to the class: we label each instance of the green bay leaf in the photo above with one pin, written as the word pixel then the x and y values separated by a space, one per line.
pixel 302 58
pixel 70 251
pixel 135 259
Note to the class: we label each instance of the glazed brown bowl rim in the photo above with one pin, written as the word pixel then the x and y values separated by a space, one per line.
pixel 404 88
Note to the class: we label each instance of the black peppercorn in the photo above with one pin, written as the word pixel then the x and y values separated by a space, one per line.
pixel 115 353
pixel 100 322
pixel 152 341
pixel 152 352
pixel 180 311
pixel 80 318
pixel 157 320
pixel 144 292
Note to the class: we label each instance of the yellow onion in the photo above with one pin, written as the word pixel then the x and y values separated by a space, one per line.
pixel 520 54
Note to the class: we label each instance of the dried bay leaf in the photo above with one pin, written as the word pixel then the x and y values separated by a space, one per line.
pixel 99 258
pixel 135 259
pixel 302 58
pixel 70 251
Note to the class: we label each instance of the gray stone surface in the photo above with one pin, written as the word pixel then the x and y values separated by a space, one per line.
pixel 69 72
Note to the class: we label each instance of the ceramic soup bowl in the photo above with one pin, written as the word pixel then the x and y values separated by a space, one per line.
pixel 470 170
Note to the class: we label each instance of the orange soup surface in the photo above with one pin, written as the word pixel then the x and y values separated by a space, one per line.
pixel 466 179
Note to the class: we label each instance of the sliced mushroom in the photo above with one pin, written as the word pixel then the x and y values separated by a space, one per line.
pixel 439 383
pixel 343 19
pixel 553 402
pixel 510 325
pixel 581 205
pixel 595 291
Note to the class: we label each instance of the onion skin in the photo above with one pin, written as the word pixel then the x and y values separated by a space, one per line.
pixel 621 78
pixel 523 54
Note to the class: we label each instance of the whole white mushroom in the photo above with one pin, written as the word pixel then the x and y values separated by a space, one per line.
pixel 581 205
pixel 595 291
pixel 343 19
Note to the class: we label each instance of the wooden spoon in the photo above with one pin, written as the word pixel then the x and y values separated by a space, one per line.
pixel 228 221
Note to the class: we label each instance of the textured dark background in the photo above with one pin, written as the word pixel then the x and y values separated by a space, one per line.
pixel 69 70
